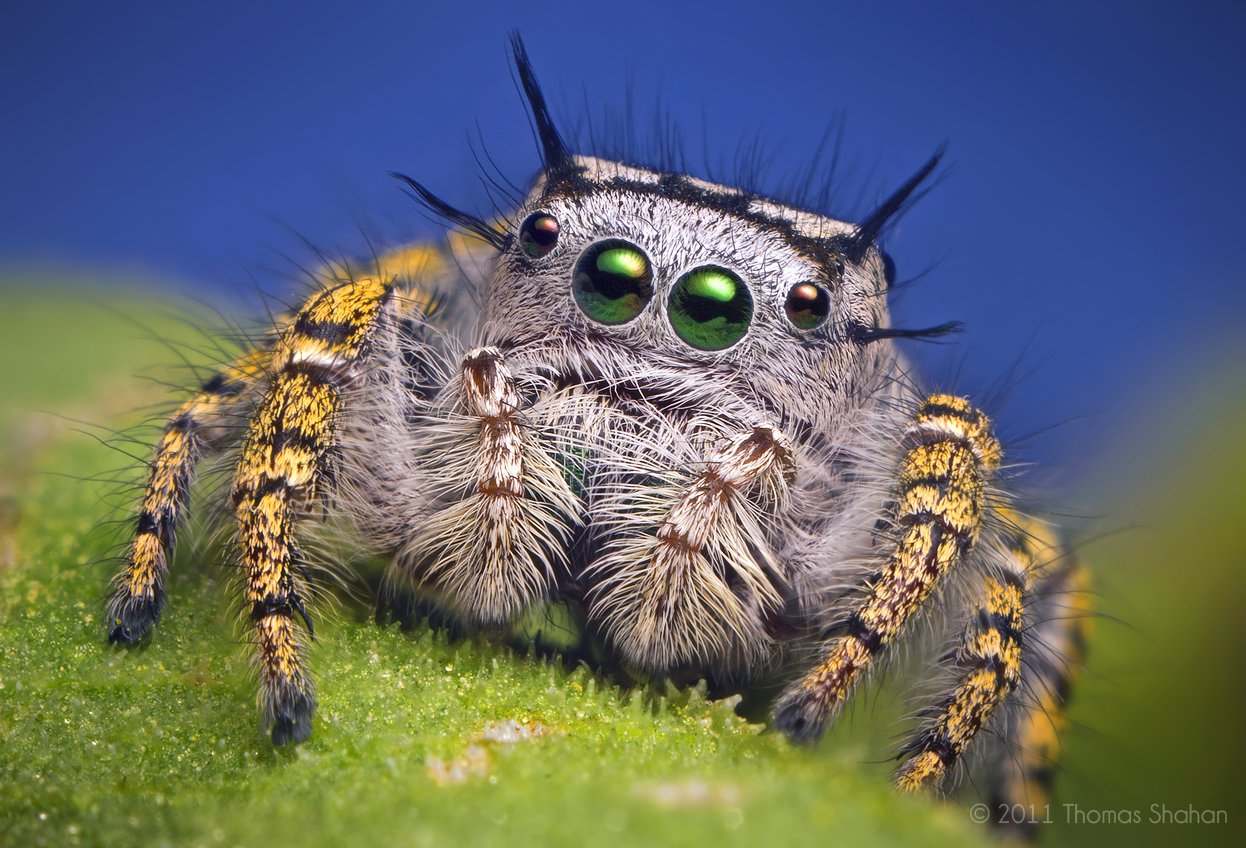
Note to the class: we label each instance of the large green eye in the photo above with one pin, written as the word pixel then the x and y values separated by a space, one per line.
pixel 613 281
pixel 710 308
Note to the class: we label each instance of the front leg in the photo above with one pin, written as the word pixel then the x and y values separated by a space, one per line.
pixel 688 579
pixel 282 457
pixel 495 544
pixel 940 500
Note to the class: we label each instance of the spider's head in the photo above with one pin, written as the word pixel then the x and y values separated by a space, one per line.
pixel 611 271
pixel 686 270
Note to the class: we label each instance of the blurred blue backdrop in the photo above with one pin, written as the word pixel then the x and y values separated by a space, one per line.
pixel 1087 228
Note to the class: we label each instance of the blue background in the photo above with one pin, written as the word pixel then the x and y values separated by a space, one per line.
pixel 1087 229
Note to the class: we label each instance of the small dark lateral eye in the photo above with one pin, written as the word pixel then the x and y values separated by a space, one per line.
pixel 807 306
pixel 538 234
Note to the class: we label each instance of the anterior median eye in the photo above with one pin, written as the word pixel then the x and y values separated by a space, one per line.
pixel 807 306
pixel 710 308
pixel 538 234
pixel 613 281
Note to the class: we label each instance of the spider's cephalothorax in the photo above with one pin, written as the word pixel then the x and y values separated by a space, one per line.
pixel 675 404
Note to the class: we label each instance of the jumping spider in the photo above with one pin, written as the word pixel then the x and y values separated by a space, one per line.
pixel 674 404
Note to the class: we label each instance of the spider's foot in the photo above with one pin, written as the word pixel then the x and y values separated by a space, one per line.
pixel 800 715
pixel 290 716
pixel 132 617
pixel 922 771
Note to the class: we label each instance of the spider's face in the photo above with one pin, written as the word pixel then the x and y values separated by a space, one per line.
pixel 615 264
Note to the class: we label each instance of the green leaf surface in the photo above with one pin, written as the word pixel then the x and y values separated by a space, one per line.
pixel 420 739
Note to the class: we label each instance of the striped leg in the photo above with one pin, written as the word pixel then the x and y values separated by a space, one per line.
pixel 988 666
pixel 138 592
pixel 940 502
pixel 1024 767
pixel 278 469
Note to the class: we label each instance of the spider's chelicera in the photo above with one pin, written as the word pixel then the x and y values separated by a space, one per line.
pixel 675 406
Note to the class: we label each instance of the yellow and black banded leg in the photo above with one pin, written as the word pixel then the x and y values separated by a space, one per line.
pixel 138 592
pixel 990 659
pixel 940 500
pixel 282 457
pixel 1024 767
pixel 988 668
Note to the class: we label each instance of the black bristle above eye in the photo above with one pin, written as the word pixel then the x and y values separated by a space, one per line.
pixel 868 230
pixel 454 216
pixel 553 149
pixel 554 152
